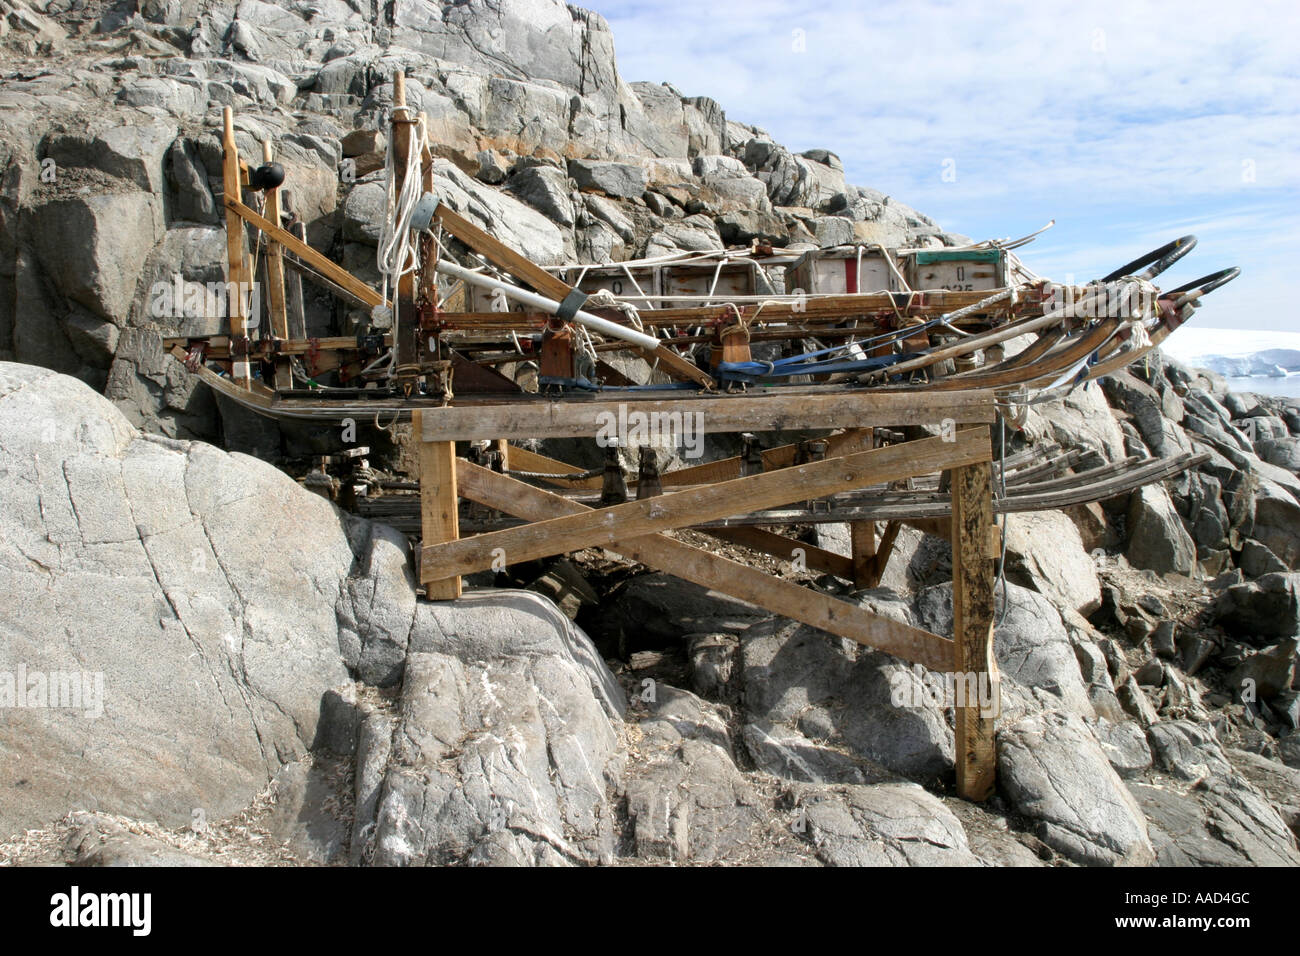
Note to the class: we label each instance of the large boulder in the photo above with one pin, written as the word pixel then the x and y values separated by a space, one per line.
pixel 505 742
pixel 1030 644
pixel 895 824
pixel 94 246
pixel 687 801
pixel 1147 409
pixel 1053 771
pixel 1157 539
pixel 620 180
pixel 546 189
pixel 1045 550
pixel 1258 610
pixel 1277 522
pixel 829 689
pixel 118 548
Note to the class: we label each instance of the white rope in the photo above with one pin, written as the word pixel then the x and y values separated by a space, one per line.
pixel 396 255
pixel 605 299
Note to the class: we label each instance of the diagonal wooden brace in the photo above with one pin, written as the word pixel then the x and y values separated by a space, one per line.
pixel 712 571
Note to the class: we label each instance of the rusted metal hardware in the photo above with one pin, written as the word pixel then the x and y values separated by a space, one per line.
pixel 614 491
pixel 647 483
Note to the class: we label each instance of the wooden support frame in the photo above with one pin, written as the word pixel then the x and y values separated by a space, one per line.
pixel 635 530
pixel 709 570
pixel 236 274
pixel 706 503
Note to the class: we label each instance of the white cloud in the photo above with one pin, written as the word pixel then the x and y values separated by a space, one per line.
pixel 1116 118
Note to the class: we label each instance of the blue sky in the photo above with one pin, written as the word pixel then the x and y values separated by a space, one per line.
pixel 1128 124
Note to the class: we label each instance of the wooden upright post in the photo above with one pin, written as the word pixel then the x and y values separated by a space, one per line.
pixel 862 539
pixel 977 684
pixel 275 282
pixel 439 519
pixel 406 321
pixel 236 277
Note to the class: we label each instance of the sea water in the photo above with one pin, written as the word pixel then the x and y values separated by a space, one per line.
pixel 1288 387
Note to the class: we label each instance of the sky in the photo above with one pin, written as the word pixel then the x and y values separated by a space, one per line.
pixel 1129 124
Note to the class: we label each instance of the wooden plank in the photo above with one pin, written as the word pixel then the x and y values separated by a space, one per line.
pixel 326 267
pixel 710 502
pixel 973 661
pixel 677 366
pixel 862 539
pixel 722 413
pixel 779 546
pixel 439 518
pixel 275 281
pixel 711 571
pixel 230 184
pixel 501 255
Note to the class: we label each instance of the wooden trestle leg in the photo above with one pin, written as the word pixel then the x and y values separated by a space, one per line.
pixel 439 520
pixel 976 682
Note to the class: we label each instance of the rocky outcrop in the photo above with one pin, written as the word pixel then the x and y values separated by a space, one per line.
pixel 115 163
pixel 266 616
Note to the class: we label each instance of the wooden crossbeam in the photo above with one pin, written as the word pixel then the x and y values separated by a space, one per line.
pixel 707 503
pixel 777 595
pixel 782 456
pixel 732 413
pixel 884 548
pixel 521 459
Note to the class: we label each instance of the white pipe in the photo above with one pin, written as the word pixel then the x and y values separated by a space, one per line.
pixel 549 306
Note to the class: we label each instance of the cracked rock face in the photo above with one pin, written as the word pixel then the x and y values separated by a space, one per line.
pixel 223 611
pixel 504 761
pixel 1053 771
pixel 896 824
pixel 200 586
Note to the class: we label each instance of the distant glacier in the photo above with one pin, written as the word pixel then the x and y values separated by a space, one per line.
pixel 1252 360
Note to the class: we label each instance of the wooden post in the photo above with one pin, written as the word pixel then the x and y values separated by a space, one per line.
pixel 275 282
pixel 862 538
pixel 974 666
pixel 295 304
pixel 406 358
pixel 236 277
pixel 439 519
